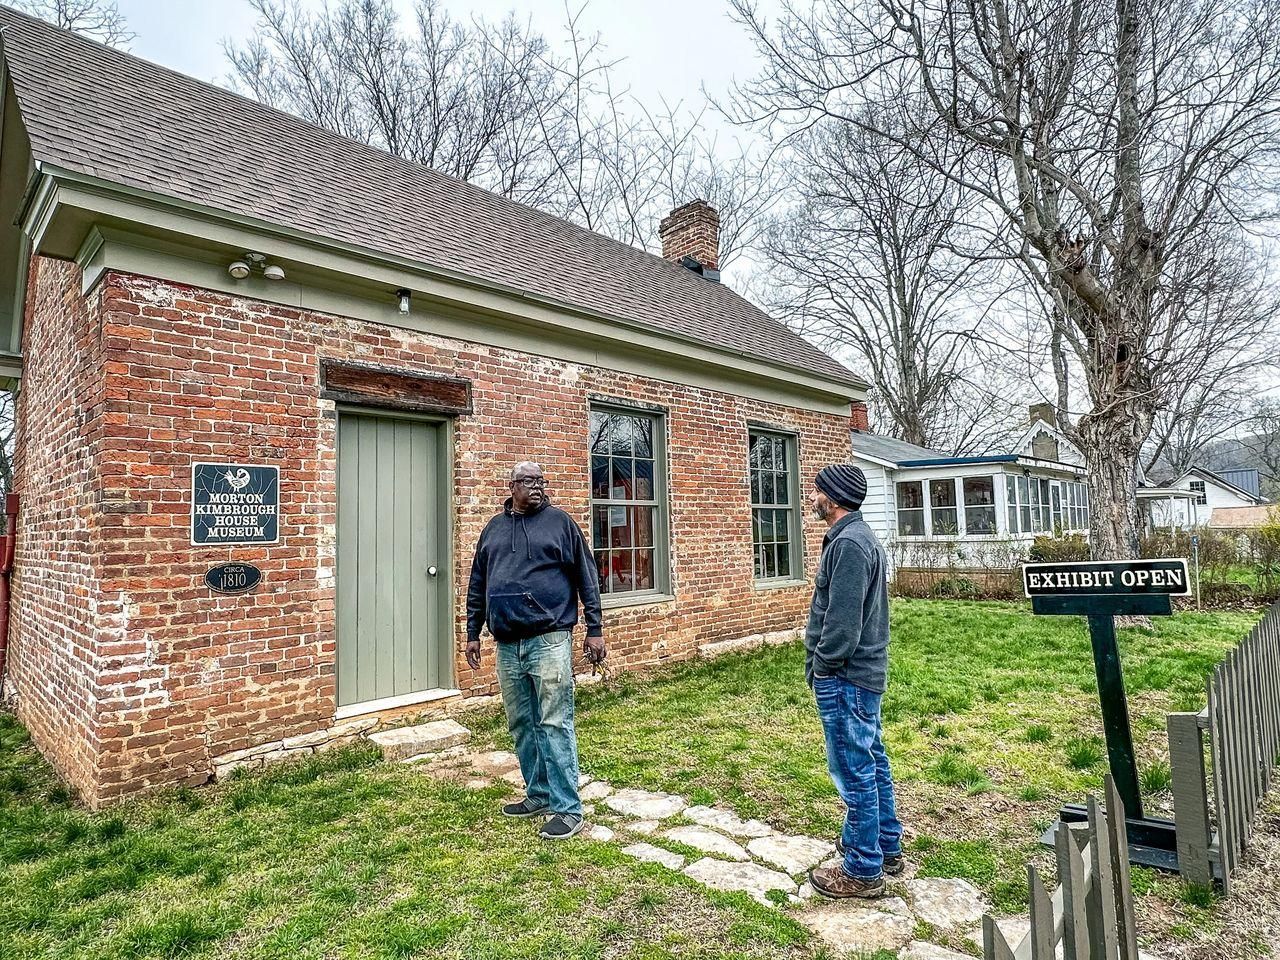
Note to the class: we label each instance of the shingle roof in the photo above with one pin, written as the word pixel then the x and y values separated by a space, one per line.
pixel 98 111
pixel 891 450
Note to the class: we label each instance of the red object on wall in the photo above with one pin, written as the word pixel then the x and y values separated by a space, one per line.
pixel 6 572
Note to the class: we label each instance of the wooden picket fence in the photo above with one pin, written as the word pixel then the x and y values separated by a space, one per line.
pixel 1242 721
pixel 1091 913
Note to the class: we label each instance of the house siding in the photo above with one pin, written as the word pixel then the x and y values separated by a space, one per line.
pixel 173 677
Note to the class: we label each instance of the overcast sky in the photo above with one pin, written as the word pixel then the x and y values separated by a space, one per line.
pixel 668 48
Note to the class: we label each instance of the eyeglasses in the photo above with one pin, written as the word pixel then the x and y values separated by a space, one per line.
pixel 531 482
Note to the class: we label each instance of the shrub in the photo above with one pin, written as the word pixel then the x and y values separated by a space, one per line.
pixel 956 587
pixel 1061 549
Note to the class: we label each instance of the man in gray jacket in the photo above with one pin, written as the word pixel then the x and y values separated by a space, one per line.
pixel 846 664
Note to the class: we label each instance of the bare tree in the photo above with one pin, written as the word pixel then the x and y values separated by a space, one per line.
pixel 498 105
pixel 1262 442
pixel 867 260
pixel 1117 140
pixel 94 18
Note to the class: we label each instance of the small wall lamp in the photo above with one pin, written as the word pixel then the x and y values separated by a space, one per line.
pixel 404 297
pixel 254 263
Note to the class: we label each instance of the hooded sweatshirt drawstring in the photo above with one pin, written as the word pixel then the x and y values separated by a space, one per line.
pixel 528 547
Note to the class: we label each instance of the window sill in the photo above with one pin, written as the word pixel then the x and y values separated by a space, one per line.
pixel 778 584
pixel 640 600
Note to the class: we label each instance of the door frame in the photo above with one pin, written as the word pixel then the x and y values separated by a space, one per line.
pixel 447 606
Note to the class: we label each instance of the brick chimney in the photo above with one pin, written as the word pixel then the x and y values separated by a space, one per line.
pixel 692 233
pixel 1043 411
pixel 858 418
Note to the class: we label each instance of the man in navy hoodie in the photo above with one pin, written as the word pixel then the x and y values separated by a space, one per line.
pixel 531 568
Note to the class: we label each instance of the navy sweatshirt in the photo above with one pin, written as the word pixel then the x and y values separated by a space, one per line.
pixel 848 631
pixel 529 572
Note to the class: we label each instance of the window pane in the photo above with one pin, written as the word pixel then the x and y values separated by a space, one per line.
pixel 600 528
pixel 621 571
pixel 944 522
pixel 942 493
pixel 784 560
pixel 602 570
pixel 643 532
pixel 620 526
pixel 644 574
pixel 759 562
pixel 980 520
pixel 766 488
pixel 979 491
pixel 622 483
pixel 755 526
pixel 644 480
pixel 1011 498
pixel 600 477
pixel 770 563
pixel 642 437
pixel 911 523
pixel 755 450
pixel 780 492
pixel 910 495
pixel 599 432
pixel 766 453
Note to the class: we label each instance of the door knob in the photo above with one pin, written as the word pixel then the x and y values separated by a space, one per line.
pixel 432 570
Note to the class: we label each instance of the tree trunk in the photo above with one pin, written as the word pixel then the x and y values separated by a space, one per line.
pixel 1111 441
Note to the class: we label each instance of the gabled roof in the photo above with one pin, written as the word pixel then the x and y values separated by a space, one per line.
pixel 1221 481
pixel 96 111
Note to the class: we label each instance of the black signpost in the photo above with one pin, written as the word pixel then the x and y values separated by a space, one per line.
pixel 1101 591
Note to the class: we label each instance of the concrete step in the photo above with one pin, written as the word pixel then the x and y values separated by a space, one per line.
pixel 402 743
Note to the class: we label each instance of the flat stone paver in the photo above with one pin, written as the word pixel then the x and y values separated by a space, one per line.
pixel 924 950
pixel 852 928
pixel 708 841
pixel 792 854
pixel 600 832
pixel 644 804
pixel 644 827
pixel 400 743
pixel 651 854
pixel 1014 929
pixel 726 821
pixel 493 763
pixel 595 790
pixel 749 878
pixel 948 904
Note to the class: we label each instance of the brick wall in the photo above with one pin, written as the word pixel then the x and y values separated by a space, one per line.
pixel 184 675
pixel 54 657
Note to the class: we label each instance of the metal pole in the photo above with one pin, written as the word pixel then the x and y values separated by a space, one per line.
pixel 1115 712
pixel 1195 559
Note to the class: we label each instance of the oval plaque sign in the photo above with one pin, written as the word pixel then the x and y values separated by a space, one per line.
pixel 233 577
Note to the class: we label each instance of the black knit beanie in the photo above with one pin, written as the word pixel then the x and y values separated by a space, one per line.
pixel 844 483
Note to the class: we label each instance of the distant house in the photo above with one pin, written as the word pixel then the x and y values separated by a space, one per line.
pixel 1243 518
pixel 1207 493
pixel 930 507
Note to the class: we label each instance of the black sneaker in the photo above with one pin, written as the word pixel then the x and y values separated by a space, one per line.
pixel 525 809
pixel 893 865
pixel 562 826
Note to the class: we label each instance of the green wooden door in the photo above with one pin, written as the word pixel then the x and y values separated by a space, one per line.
pixel 393 570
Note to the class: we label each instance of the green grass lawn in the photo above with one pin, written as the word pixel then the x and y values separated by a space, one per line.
pixel 991 721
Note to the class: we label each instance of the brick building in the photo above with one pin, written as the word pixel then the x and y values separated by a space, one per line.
pixel 242 340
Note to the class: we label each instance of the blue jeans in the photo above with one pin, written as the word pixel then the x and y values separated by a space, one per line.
pixel 536 677
pixel 860 769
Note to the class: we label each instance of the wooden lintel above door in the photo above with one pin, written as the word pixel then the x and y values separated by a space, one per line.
pixel 394 389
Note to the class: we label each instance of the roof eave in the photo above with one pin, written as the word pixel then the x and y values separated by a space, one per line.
pixel 62 190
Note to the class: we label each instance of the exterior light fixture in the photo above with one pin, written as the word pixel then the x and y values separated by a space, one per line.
pixel 404 296
pixel 252 263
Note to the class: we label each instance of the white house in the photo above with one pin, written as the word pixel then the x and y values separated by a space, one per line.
pixel 932 508
pixel 1206 492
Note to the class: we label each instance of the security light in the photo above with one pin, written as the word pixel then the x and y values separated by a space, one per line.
pixel 404 301
pixel 238 270
pixel 273 272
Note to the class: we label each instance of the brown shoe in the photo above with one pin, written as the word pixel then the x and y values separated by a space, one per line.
pixel 834 884
pixel 893 864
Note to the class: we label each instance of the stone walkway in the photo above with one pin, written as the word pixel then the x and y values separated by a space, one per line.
pixel 921 919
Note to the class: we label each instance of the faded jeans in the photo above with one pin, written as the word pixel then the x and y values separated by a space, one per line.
pixel 860 770
pixel 536 677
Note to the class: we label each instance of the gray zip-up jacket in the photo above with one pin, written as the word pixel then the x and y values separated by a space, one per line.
pixel 848 631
